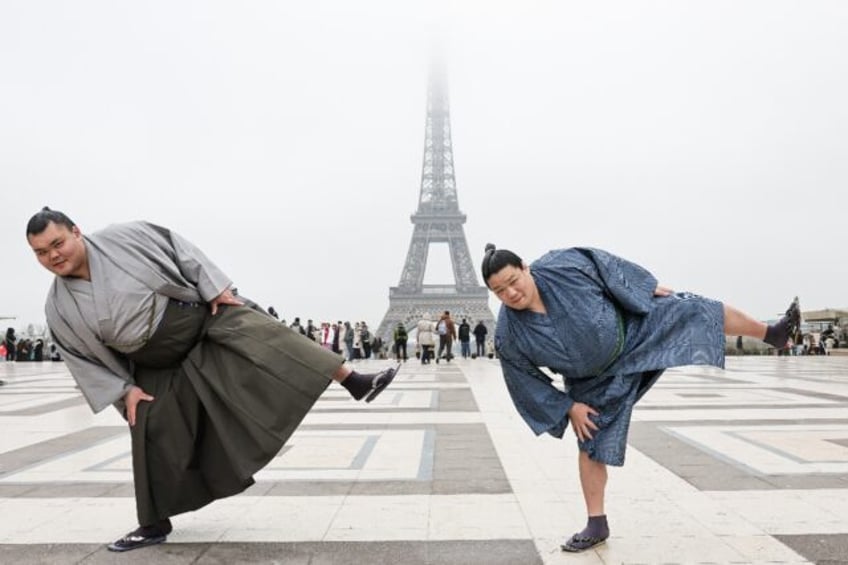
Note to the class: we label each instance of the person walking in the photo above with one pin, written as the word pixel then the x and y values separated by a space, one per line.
pixel 400 337
pixel 426 338
pixel 447 333
pixel 296 326
pixel 347 339
pixel 480 333
pixel 10 341
pixel 610 330
pixel 337 337
pixel 365 337
pixel 211 386
pixel 464 334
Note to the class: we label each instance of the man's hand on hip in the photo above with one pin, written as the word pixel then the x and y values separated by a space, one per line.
pixel 131 399
pixel 225 297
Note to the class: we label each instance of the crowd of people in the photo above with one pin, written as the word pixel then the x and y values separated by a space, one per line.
pixel 433 339
pixel 26 349
pixel 442 333
pixel 351 341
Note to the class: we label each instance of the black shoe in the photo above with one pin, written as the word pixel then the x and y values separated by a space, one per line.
pixel 380 381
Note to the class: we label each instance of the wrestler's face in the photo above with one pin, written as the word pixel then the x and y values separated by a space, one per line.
pixel 514 287
pixel 61 250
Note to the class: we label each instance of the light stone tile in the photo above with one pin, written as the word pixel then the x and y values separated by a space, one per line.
pixel 378 454
pixel 26 523
pixel 285 519
pixel 553 519
pixel 9 403
pixel 395 397
pixel 389 418
pixel 106 461
pixel 715 395
pixel 476 517
pixel 676 415
pixel 319 450
pixel 762 548
pixel 551 553
pixel 362 518
pixel 714 516
pixel 784 511
pixel 669 548
pixel 773 450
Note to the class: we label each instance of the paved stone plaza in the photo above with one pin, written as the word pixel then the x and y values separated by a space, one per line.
pixel 748 465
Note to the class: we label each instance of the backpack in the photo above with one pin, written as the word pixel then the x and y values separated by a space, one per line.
pixel 400 334
pixel 442 327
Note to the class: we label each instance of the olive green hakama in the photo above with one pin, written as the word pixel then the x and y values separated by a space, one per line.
pixel 229 391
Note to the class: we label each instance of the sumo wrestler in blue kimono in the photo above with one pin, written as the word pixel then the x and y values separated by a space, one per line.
pixel 607 327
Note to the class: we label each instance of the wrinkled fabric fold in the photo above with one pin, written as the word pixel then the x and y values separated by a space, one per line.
pixel 229 391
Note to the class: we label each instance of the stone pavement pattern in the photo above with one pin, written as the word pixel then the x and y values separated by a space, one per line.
pixel 748 465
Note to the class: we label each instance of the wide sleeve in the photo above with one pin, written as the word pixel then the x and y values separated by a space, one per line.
pixel 196 267
pixel 543 406
pixel 630 285
pixel 99 385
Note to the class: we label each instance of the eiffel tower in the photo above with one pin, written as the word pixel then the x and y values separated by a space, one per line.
pixel 437 220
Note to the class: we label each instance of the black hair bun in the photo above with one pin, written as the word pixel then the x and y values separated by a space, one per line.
pixel 490 247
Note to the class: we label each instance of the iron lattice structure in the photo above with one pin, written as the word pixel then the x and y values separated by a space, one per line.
pixel 437 220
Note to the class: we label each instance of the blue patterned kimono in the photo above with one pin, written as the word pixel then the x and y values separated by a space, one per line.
pixel 608 336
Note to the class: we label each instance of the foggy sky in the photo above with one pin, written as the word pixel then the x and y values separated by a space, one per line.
pixel 705 141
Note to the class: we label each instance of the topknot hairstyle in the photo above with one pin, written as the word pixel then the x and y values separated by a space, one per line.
pixel 496 259
pixel 38 222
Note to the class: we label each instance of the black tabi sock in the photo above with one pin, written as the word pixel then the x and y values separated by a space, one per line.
pixel 160 528
pixel 777 334
pixel 596 527
pixel 357 384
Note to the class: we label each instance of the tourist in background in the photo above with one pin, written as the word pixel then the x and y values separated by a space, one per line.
pixel 426 338
pixel 480 332
pixel 446 331
pixel 10 342
pixel 464 334
pixel 400 338
pixel 348 336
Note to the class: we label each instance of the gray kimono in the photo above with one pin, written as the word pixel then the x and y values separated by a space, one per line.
pixel 87 319
pixel 230 389
pixel 607 335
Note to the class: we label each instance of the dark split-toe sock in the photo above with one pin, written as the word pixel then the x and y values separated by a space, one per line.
pixel 358 384
pixel 595 532
pixel 370 385
pixel 782 331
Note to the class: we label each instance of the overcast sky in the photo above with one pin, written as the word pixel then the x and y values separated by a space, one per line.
pixel 704 140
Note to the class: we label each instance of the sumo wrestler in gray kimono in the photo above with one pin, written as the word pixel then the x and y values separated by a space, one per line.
pixel 607 327
pixel 211 386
